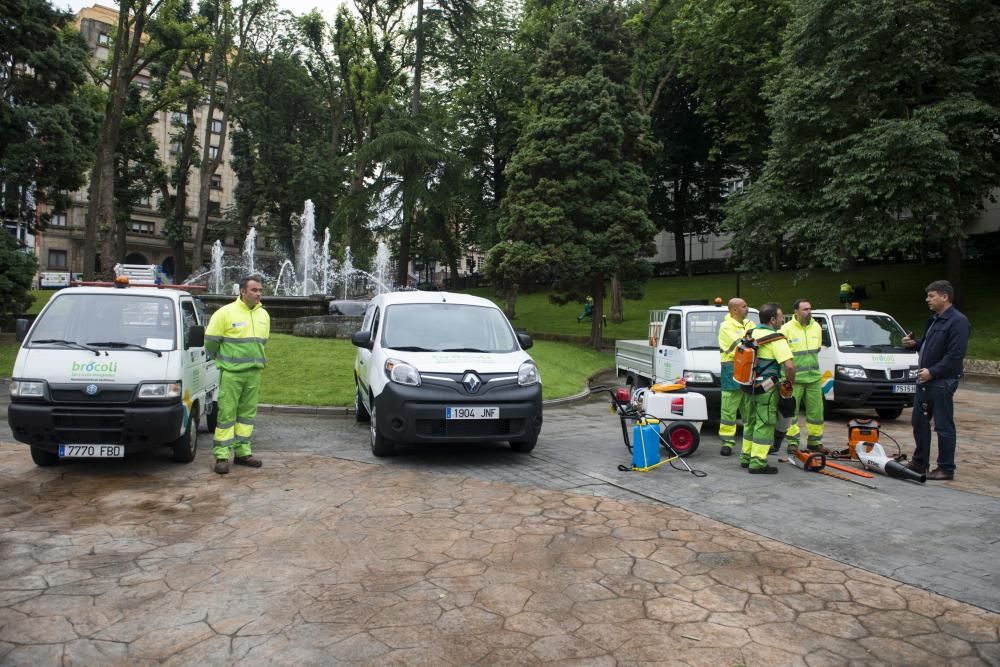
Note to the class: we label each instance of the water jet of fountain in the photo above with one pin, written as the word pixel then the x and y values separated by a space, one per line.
pixel 324 261
pixel 216 270
pixel 307 248
pixel 346 269
pixel 249 249
pixel 380 267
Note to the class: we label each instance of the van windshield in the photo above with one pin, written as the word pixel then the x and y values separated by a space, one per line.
pixel 450 327
pixel 863 333
pixel 85 319
pixel 703 328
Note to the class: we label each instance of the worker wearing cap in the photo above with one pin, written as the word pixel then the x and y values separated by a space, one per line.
pixel 734 401
pixel 236 336
pixel 805 337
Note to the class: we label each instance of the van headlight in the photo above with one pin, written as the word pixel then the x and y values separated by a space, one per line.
pixel 27 388
pixel 851 372
pixel 528 374
pixel 159 390
pixel 402 372
pixel 698 377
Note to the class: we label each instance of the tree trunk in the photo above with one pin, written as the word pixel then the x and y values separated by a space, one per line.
pixel 409 205
pixel 597 318
pixel 617 306
pixel 953 268
pixel 510 302
pixel 405 237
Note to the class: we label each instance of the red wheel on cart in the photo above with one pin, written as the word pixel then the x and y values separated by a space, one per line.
pixel 682 437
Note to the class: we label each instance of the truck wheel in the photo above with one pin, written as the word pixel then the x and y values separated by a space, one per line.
pixel 381 446
pixel 524 445
pixel 888 413
pixel 44 458
pixel 360 411
pixel 212 417
pixel 682 437
pixel 186 446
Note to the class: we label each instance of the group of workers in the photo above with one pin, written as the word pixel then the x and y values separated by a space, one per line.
pixel 787 370
pixel 788 375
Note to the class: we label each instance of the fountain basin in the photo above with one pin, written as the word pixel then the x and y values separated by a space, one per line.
pixel 327 326
pixel 284 310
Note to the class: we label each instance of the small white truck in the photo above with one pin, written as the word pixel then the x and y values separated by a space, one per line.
pixel 863 361
pixel 105 371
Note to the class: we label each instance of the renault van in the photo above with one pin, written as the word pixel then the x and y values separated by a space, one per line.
pixel 444 367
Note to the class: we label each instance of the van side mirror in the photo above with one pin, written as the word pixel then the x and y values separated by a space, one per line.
pixel 21 327
pixel 826 339
pixel 525 340
pixel 362 339
pixel 673 339
pixel 195 337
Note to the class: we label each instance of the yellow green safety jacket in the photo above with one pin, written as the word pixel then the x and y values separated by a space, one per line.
pixel 236 336
pixel 805 342
pixel 770 356
pixel 730 331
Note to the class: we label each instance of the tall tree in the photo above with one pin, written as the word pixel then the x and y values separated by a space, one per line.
pixel 49 115
pixel 575 213
pixel 17 270
pixel 886 130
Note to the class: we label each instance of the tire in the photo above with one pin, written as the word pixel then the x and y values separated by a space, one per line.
pixel 360 411
pixel 381 446
pixel 682 437
pixel 212 418
pixel 524 446
pixel 888 413
pixel 186 446
pixel 44 458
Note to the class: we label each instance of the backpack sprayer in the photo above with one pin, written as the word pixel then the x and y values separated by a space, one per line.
pixel 649 409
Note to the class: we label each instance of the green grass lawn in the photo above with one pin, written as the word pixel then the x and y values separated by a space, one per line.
pixel 903 298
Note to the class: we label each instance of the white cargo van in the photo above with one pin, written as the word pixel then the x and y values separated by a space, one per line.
pixel 105 371
pixel 863 362
pixel 444 367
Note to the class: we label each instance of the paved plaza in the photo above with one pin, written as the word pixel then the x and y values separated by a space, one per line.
pixel 478 555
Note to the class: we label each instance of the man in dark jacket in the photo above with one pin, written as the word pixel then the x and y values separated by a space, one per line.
pixel 942 350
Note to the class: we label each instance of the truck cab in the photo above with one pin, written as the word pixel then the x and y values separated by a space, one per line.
pixel 106 371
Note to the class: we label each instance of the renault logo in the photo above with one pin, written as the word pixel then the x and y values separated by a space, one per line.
pixel 472 382
pixel 91 389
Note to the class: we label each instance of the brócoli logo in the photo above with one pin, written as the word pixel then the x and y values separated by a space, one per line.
pixel 94 367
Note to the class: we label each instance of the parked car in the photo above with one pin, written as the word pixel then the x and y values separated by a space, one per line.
pixel 444 367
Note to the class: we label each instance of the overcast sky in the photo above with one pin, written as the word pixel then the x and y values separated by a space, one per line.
pixel 297 6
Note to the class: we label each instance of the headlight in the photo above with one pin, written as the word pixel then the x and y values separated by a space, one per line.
pixel 914 372
pixel 160 390
pixel 27 388
pixel 852 372
pixel 528 374
pixel 402 372
pixel 698 377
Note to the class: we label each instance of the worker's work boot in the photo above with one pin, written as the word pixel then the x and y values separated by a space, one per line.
pixel 818 449
pixel 766 470
pixel 248 461
pixel 727 449
pixel 779 436
pixel 221 466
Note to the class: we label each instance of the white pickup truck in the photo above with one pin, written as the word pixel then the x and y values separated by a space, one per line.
pixel 863 362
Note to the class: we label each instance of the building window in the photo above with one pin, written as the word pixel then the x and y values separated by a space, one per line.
pixel 175 147
pixel 213 152
pixel 103 39
pixel 147 228
pixel 57 259
pixel 179 118
pixel 145 201
pixel 214 208
pixel 216 182
pixel 57 220
pixel 216 126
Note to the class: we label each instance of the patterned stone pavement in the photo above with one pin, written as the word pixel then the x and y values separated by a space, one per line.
pixel 319 560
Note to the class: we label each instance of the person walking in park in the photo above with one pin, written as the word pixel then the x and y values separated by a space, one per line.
pixel 805 337
pixel 236 337
pixel 941 353
pixel 734 400
pixel 773 355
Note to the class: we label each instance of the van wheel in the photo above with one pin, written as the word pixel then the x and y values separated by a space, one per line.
pixel 212 417
pixel 524 445
pixel 44 458
pixel 360 411
pixel 186 446
pixel 682 437
pixel 381 446
pixel 889 413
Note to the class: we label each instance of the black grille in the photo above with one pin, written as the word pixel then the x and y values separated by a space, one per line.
pixel 77 396
pixel 888 374
pixel 443 428
pixel 90 427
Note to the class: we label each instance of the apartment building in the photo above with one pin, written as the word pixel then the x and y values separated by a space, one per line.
pixel 59 247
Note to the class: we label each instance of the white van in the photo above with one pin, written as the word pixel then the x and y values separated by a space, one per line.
pixel 444 367
pixel 863 362
pixel 105 371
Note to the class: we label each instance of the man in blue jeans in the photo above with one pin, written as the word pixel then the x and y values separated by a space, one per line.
pixel 941 352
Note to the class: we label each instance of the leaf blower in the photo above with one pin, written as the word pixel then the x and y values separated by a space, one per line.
pixel 863 443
